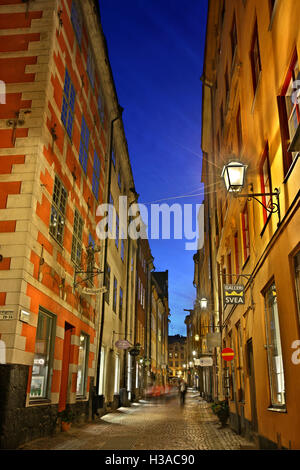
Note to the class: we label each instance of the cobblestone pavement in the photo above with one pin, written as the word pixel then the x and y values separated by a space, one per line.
pixel 149 426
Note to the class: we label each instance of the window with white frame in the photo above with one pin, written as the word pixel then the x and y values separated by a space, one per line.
pixel 58 209
pixel 274 350
pixel 82 364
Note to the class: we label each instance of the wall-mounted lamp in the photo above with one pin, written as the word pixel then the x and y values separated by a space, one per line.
pixel 234 177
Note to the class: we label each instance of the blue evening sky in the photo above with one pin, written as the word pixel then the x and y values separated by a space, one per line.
pixel 156 50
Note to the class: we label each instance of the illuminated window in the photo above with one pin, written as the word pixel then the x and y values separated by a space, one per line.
pixel 43 356
pixel 276 373
pixel 82 365
pixel 289 115
pixel 58 208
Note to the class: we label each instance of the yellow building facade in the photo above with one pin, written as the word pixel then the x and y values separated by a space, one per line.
pixel 251 115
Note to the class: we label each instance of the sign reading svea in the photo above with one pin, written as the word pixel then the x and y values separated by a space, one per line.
pixel 234 294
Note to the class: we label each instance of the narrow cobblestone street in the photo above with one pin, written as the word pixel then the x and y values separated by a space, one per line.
pixel 149 426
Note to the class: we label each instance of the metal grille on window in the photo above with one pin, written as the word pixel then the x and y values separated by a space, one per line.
pixel 84 145
pixel 76 21
pixel 68 106
pixel 77 239
pixel 57 219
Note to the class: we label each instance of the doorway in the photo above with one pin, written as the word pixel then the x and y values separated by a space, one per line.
pixel 254 426
pixel 65 367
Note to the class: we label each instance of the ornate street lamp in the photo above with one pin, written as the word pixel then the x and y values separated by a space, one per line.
pixel 197 337
pixel 234 177
pixel 203 303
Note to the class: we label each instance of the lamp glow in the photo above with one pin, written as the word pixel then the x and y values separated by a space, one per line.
pixel 234 176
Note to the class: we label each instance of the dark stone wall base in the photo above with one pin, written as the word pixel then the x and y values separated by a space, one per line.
pixel 244 428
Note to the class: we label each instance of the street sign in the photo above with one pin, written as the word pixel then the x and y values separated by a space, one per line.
pixel 204 362
pixel 227 354
pixel 234 294
pixel 122 344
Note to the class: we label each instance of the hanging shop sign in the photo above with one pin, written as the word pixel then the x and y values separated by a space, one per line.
pixel 122 344
pixel 204 362
pixel 91 291
pixel 234 294
pixel 227 354
pixel 213 340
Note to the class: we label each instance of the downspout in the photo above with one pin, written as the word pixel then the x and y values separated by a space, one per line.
pixel 120 109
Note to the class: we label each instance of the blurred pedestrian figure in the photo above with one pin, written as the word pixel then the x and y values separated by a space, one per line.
pixel 182 392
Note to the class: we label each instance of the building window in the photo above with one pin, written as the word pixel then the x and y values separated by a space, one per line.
pixel 265 181
pixel 82 365
pixel 113 157
pixel 76 21
pixel 100 107
pixel 233 39
pixel 289 116
pixel 122 249
pixel 115 295
pixel 110 213
pixel 245 234
pixel 276 373
pixel 77 239
pixel 91 67
pixel 255 58
pixel 221 117
pixel 239 131
pixel 68 105
pixel 84 145
pixel 119 180
pixel 117 375
pixel 121 303
pixel 236 253
pixel 107 282
pixel 297 280
pixel 240 363
pixel 96 176
pixel 117 231
pixel 43 355
pixel 58 209
pixel 227 87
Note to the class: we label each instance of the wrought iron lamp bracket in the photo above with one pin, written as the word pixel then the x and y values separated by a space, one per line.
pixel 272 207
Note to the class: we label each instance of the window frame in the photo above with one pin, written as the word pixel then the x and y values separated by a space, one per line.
pixel 84 145
pixel 107 275
pixel 266 200
pixel 68 104
pixel 77 21
pixel 115 294
pixel 266 292
pixel 253 60
pixel 56 206
pixel 50 355
pixel 86 361
pixel 76 239
pixel 96 175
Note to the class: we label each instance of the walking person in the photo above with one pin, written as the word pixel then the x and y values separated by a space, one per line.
pixel 182 391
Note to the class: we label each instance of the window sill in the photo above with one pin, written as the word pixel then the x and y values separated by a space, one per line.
pixel 81 398
pixel 39 401
pixel 277 410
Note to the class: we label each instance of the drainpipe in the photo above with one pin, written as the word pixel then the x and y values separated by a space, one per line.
pixel 119 116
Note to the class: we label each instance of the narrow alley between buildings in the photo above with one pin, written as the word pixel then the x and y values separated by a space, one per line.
pixel 148 425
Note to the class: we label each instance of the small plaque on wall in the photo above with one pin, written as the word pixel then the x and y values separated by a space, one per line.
pixel 24 316
pixel 7 315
